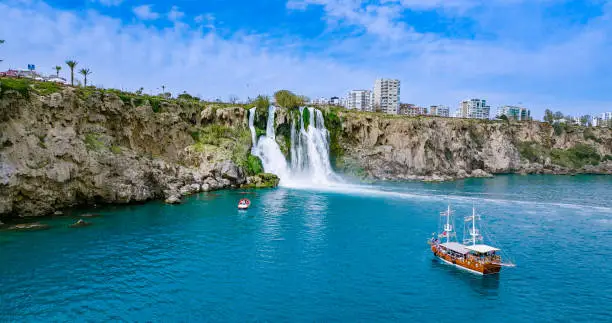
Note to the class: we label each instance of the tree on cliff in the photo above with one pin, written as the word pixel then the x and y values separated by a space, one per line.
pixel 72 65
pixel 85 72
pixel 262 102
pixel 548 116
pixel 584 120
pixel 288 99
pixel 57 69
pixel 1 42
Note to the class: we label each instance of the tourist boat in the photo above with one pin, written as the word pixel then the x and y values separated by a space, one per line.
pixel 244 204
pixel 471 255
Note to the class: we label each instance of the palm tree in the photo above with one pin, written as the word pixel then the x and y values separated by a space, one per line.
pixel 85 72
pixel 72 65
pixel 57 69
pixel 1 42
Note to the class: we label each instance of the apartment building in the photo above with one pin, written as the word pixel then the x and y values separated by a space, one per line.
pixel 514 113
pixel 386 95
pixel 359 100
pixel 473 109
pixel 439 110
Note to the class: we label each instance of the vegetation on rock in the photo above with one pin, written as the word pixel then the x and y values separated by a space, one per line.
pixel 576 157
pixel 289 100
pixel 262 180
pixel 26 86
pixel 253 165
pixel 306 118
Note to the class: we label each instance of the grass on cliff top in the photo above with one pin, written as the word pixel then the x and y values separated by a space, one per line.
pixel 26 86
pixel 184 100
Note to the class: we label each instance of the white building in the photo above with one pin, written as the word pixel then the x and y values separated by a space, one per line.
pixel 335 100
pixel 473 109
pixel 411 110
pixel 606 116
pixel 359 100
pixel 513 113
pixel 319 101
pixel 439 110
pixel 386 95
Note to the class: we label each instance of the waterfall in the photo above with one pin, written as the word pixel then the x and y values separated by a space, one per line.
pixel 266 147
pixel 309 152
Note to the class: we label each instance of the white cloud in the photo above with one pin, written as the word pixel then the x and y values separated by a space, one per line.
pixel 128 56
pixel 175 14
pixel 205 20
pixel 145 12
pixel 433 69
pixel 109 3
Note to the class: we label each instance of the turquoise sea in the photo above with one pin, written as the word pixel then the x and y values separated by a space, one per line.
pixel 357 254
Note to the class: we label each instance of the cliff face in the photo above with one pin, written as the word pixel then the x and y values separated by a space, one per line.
pixel 70 148
pixel 394 147
pixel 78 146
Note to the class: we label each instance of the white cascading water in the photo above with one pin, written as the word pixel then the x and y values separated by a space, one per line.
pixel 310 163
pixel 266 147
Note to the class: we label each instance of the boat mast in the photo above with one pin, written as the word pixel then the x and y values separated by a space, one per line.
pixel 447 227
pixel 473 226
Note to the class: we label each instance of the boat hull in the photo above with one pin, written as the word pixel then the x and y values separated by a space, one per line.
pixel 470 266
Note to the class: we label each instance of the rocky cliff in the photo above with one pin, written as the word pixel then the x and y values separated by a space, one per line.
pixel 77 146
pixel 431 148
pixel 62 146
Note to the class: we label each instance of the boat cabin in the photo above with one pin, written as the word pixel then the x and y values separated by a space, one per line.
pixel 479 252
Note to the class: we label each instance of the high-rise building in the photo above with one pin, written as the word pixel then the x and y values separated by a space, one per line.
pixel 319 101
pixel 473 109
pixel 359 100
pixel 514 113
pixel 386 95
pixel 411 110
pixel 606 116
pixel 334 100
pixel 439 110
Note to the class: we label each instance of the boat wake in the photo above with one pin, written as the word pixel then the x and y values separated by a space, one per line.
pixel 309 166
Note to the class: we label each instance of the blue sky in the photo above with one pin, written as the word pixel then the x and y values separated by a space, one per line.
pixel 539 53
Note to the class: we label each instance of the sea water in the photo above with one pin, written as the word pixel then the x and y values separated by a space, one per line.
pixel 355 253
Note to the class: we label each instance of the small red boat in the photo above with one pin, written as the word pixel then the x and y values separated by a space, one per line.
pixel 244 204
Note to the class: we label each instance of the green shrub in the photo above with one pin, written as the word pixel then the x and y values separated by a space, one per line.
pixel 15 84
pixel 333 123
pixel 115 149
pixel 93 142
pixel 289 100
pixel 155 103
pixel 188 97
pixel 306 118
pixel 532 151
pixel 253 165
pixel 46 88
pixel 559 128
pixel 576 157
pixel 589 135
